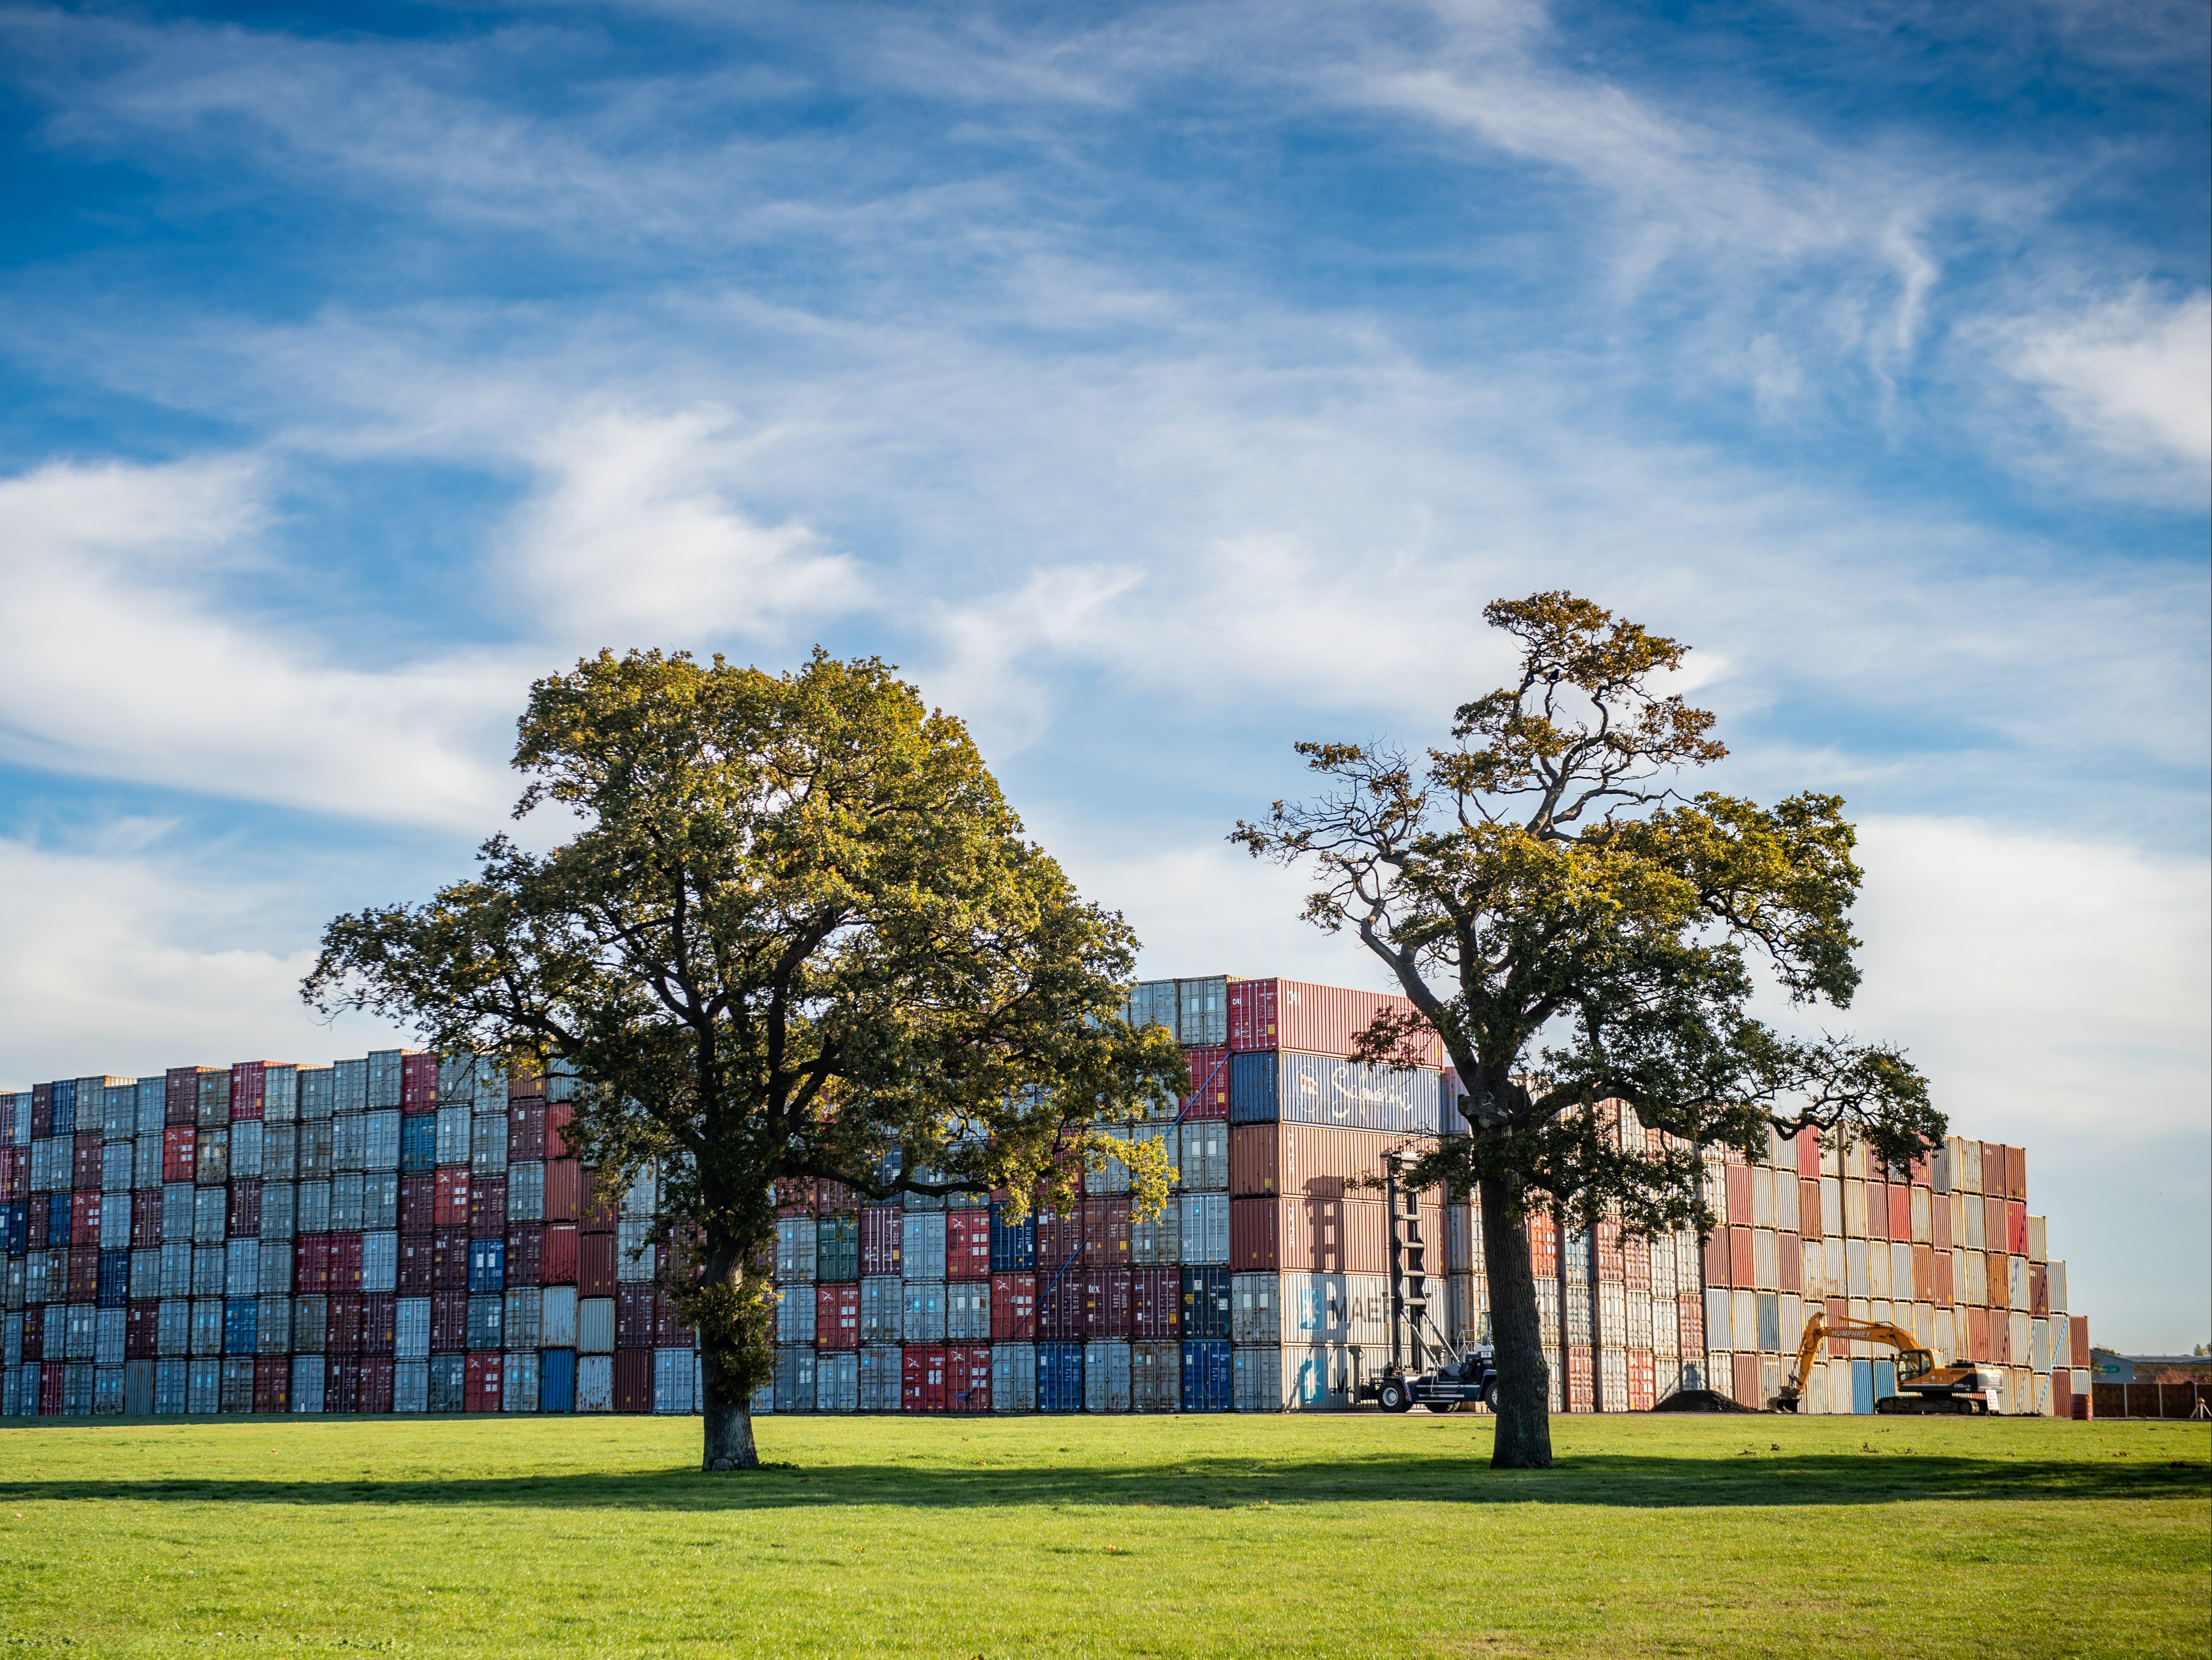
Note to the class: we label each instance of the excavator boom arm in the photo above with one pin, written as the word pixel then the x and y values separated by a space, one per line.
pixel 1817 1331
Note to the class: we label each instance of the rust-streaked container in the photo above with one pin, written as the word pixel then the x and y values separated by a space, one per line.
pixel 1308 1235
pixel 1105 1233
pixel 564 1190
pixel 1013 1307
pixel 1295 1014
pixel 2015 1173
pixel 559 1263
pixel 2016 1232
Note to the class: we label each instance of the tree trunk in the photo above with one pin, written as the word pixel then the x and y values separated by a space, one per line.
pixel 729 1442
pixel 1523 1399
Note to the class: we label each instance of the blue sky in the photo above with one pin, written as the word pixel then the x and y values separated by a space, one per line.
pixel 1157 387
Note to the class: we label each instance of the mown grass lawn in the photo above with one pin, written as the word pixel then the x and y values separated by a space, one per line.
pixel 1293 1535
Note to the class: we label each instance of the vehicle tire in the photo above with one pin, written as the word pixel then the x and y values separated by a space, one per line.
pixel 1391 1396
pixel 1490 1394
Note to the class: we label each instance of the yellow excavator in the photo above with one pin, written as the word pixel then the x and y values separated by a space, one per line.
pixel 1925 1387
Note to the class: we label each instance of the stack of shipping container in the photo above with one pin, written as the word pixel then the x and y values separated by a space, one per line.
pixel 391 1234
pixel 404 1233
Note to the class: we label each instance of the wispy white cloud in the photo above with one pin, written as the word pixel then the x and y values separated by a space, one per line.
pixel 2134 374
pixel 135 667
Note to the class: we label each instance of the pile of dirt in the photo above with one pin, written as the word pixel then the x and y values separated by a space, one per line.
pixel 1700 1401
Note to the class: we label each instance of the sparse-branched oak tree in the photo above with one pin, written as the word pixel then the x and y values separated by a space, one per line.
pixel 1577 931
pixel 796 929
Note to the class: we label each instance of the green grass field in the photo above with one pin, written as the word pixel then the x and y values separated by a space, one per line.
pixel 1312 1535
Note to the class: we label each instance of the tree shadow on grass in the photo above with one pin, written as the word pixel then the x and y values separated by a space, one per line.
pixel 1625 1480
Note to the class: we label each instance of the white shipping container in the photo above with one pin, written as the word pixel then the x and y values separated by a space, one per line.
pixel 273 1327
pixel 836 1380
pixel 595 1380
pixel 557 1317
pixel 882 1309
pixel 1106 1377
pixel 241 1274
pixel 794 1250
pixel 1157 1242
pixel 633 1256
pixel 674 1382
pixel 1155 1377
pixel 595 1328
pixel 525 1192
pixel 1201 1152
pixel 1324 1308
pixel 1255 1309
pixel 1112 1177
pixel 519 1381
pixel 1203 1221
pixel 968 1311
pixel 1013 1378
pixel 923 1249
pixel 882 1377
pixel 307 1383
pixel 411 1328
pixel 380 1140
pixel 453 1137
pixel 794 1378
pixel 2057 1291
pixel 921 1310
pixel 520 1323
pixel 107 1337
pixel 642 1196
pixel 1315 1379
pixel 379 1262
pixel 488 1144
pixel 794 1315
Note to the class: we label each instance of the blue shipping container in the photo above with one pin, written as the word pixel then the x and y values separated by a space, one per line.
pixel 1014 1245
pixel 64 1099
pixel 487 1265
pixel 57 1221
pixel 1059 1377
pixel 418 1144
pixel 556 1380
pixel 115 1283
pixel 241 1325
pixel 15 1227
pixel 1862 1386
pixel 447 1374
pixel 1206 1380
pixel 1206 1302
pixel 1279 1086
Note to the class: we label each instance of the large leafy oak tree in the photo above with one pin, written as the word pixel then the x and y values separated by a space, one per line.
pixel 1577 930
pixel 797 930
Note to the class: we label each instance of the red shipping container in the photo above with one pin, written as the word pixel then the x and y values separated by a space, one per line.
pixel 345 1263
pixel 84 1272
pixel 968 1244
pixel 449 1259
pixel 1059 1238
pixel 246 1082
pixel 1106 1294
pixel 1923 1273
pixel 967 1378
pixel 141 1328
pixel 1977 1333
pixel 835 1199
pixel 559 1114
pixel 450 1209
pixel 795 1195
pixel 341 1384
pixel 272 1383
pixel 564 1190
pixel 837 1316
pixel 1689 1320
pixel 180 1152
pixel 1993 1225
pixel 526 1132
pixel 2016 1227
pixel 923 1381
pixel 418 1273
pixel 2015 1173
pixel 1641 1393
pixel 39 1225
pixel 1106 1233
pixel 1900 1212
pixel 84 1162
pixel 376 1384
pixel 1746 1379
pixel 595 1265
pixel 1060 1307
pixel 1313 1161
pixel 633 1380
pixel 180 1094
pixel 1808 1209
pixel 84 1218
pixel 12 1180
pixel 1544 1246
pixel 1209 1084
pixel 1808 1155
pixel 633 1317
pixel 482 1377
pixel 245 1209
pixel 146 1218
pixel 52 1378
pixel 418 1202
pixel 526 1083
pixel 1308 1235
pixel 526 1254
pixel 883 1240
pixel 1741 1257
pixel 1993 1169
pixel 1013 1307
pixel 311 1264
pixel 342 1325
pixel 488 1207
pixel 2038 1289
pixel 1738 1181
pixel 34 1332
pixel 560 1263
pixel 379 1316
pixel 449 1321
pixel 670 1329
pixel 418 1081
pixel 1790 1265
pixel 595 1210
pixel 1635 1264
pixel 1155 1304
pixel 1947 1294
pixel 2000 1341
pixel 1939 1219
pixel 1293 1014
